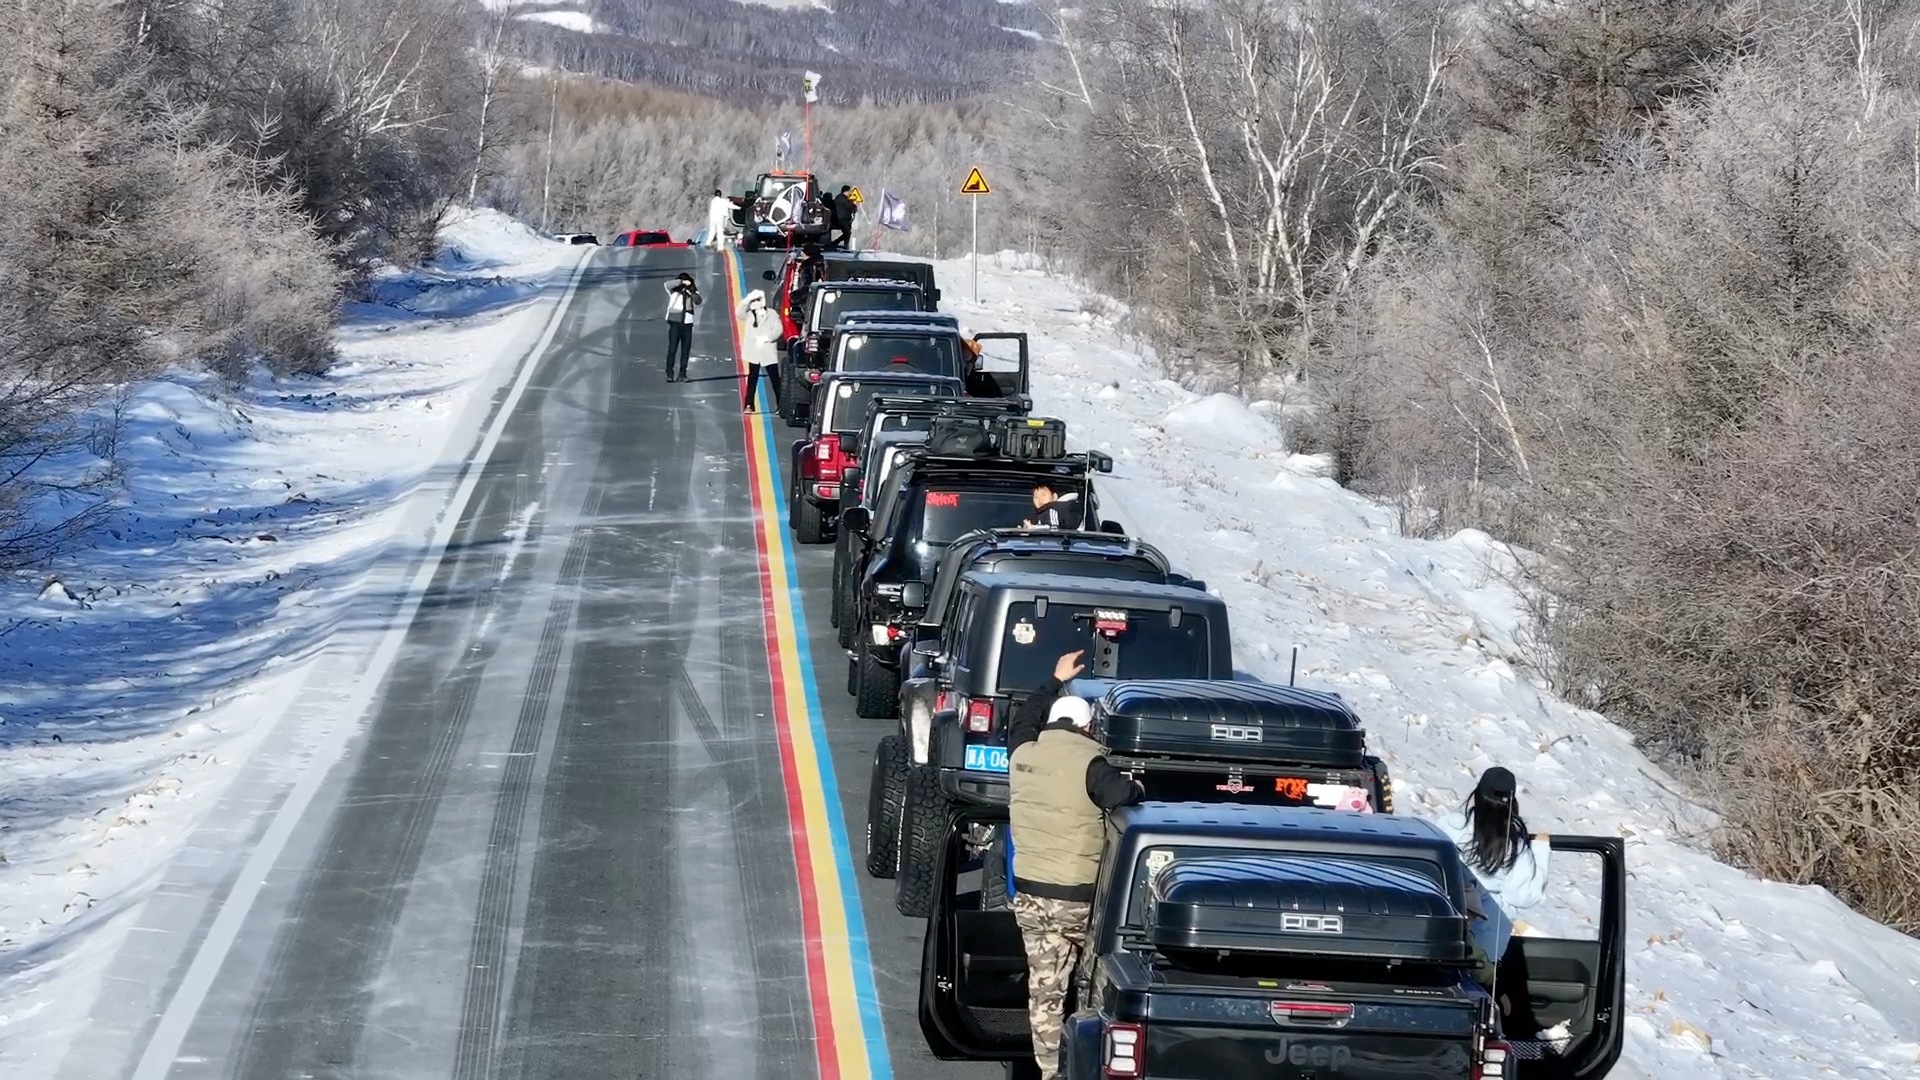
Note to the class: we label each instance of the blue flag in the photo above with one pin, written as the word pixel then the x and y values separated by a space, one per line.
pixel 893 211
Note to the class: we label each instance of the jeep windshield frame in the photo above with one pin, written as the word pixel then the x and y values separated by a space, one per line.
pixel 877 347
pixel 831 298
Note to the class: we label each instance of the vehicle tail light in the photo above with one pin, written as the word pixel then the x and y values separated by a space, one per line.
pixel 831 459
pixel 1323 1013
pixel 979 717
pixel 1495 1059
pixel 826 491
pixel 1126 1046
pixel 812 344
pixel 813 376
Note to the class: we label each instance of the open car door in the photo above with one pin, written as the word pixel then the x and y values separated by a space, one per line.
pixel 1003 358
pixel 1580 982
pixel 973 969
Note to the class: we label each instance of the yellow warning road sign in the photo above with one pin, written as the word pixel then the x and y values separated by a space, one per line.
pixel 858 199
pixel 976 184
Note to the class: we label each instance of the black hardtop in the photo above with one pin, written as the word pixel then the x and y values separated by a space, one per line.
pixel 1068 589
pixel 860 285
pixel 987 549
pixel 839 266
pixel 919 411
pixel 862 380
pixel 902 318
pixel 1217 701
pixel 876 324
pixel 1271 903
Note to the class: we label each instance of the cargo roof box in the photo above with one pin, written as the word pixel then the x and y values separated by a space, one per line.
pixel 1313 905
pixel 1221 720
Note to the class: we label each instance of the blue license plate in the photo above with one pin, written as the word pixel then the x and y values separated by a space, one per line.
pixel 986 759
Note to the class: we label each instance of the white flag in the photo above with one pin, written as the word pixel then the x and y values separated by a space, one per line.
pixel 783 146
pixel 810 84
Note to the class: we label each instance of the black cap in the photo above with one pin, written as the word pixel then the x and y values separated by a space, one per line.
pixel 688 278
pixel 1496 783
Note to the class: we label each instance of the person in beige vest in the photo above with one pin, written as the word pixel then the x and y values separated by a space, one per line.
pixel 1060 787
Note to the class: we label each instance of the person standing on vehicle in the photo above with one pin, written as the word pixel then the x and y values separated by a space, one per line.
pixel 759 347
pixel 719 210
pixel 805 272
pixel 844 211
pixel 1509 864
pixel 1060 787
pixel 683 297
pixel 1055 510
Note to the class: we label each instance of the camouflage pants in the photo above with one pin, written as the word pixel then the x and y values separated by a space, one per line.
pixel 1054 932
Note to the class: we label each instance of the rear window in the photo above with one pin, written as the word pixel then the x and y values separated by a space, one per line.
pixel 947 515
pixel 832 302
pixel 932 354
pixel 1149 646
pixel 849 407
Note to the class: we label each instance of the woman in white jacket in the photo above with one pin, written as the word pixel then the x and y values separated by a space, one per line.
pixel 1509 865
pixel 759 346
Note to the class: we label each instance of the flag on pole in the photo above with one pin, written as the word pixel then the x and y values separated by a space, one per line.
pixel 893 211
pixel 783 146
pixel 810 86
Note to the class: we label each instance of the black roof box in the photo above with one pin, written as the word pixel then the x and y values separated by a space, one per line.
pixel 1316 906
pixel 1229 721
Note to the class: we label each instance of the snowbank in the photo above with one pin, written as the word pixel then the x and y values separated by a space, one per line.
pixel 577 21
pixel 250 526
pixel 1728 976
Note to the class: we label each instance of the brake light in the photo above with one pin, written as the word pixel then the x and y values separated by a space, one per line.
pixel 1494 1058
pixel 812 344
pixel 813 376
pixel 979 717
pixel 827 452
pixel 1329 1013
pixel 1126 1046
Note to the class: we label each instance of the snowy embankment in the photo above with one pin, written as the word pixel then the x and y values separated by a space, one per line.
pixel 1726 975
pixel 254 525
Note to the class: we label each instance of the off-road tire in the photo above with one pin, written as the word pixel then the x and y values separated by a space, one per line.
pixel 810 522
pixel 923 829
pixel 876 687
pixel 853 676
pixel 839 570
pixel 886 790
pixel 847 603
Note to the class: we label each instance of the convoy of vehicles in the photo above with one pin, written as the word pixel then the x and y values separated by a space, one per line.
pixel 1264 912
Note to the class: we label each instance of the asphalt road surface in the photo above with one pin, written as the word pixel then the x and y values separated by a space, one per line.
pixel 563 847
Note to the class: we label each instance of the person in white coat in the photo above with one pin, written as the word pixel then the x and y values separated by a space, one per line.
pixel 759 346
pixel 719 211
pixel 1509 864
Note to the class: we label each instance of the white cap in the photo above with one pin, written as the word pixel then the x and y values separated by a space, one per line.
pixel 1074 709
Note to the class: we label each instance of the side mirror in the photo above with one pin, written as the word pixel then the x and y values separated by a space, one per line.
pixel 855 519
pixel 1112 528
pixel 928 648
pixel 1196 583
pixel 768 275
pixel 1101 462
pixel 913 594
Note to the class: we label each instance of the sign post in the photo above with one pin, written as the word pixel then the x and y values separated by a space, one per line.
pixel 976 185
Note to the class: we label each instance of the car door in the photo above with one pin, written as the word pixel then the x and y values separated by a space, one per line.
pixel 1005 364
pixel 973 970
pixel 1580 982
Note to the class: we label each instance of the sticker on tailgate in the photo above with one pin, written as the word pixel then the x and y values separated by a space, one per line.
pixel 985 758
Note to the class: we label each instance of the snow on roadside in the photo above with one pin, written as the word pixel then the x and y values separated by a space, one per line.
pixel 131 694
pixel 1727 975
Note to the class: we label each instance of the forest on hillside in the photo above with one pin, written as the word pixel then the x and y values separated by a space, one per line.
pixel 1627 282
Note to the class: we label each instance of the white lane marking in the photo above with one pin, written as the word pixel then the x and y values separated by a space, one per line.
pixel 171 1032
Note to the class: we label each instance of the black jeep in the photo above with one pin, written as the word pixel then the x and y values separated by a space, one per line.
pixel 1235 940
pixel 859 266
pixel 807 354
pixel 934 497
pixel 1003 633
pixel 893 426
pixel 782 210
pixel 820 461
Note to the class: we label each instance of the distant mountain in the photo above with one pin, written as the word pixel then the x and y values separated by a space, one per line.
pixel 876 50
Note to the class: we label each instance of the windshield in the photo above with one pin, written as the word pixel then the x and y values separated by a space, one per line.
pixel 829 303
pixel 1149 647
pixel 948 515
pixel 849 407
pixel 773 186
pixel 931 354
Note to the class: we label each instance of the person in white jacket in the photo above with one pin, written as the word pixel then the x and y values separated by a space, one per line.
pixel 759 346
pixel 1509 864
pixel 719 210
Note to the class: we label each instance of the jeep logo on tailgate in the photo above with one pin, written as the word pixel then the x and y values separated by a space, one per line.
pixel 1229 733
pixel 1327 1055
pixel 1296 922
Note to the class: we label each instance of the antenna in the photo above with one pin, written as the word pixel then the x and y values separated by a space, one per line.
pixel 1293 668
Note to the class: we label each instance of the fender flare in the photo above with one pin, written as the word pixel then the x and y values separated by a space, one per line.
pixel 916 717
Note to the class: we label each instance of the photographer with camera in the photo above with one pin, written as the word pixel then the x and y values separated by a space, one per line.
pixel 683 297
